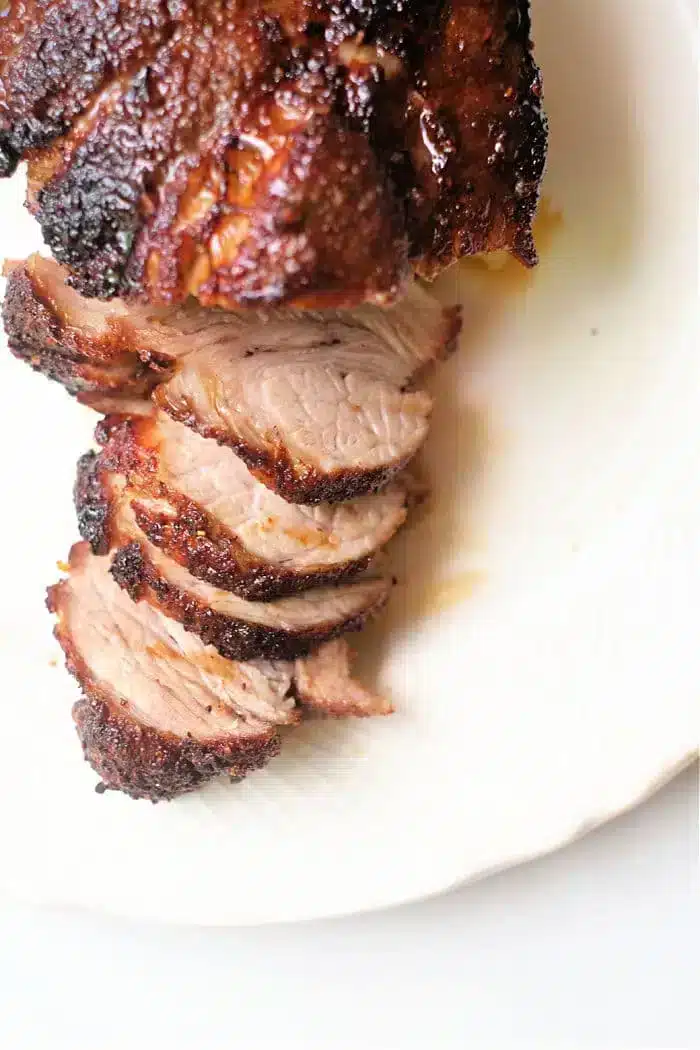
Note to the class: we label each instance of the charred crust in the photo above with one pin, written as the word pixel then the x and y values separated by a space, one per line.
pixel 431 114
pixel 32 325
pixel 484 189
pixel 62 58
pixel 234 638
pixel 187 533
pixel 326 228
pixel 92 504
pixel 143 763
pixel 298 483
pixel 90 209
pixel 90 226
pixel 9 158
pixel 128 569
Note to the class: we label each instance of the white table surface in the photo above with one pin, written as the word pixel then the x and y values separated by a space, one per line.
pixel 596 946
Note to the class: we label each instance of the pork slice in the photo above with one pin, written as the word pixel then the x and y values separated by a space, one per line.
pixel 320 408
pixel 95 348
pixel 82 344
pixel 237 628
pixel 323 683
pixel 161 712
pixel 201 506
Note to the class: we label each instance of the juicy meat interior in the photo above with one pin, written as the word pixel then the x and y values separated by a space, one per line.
pixel 320 410
pixel 303 151
pixel 201 505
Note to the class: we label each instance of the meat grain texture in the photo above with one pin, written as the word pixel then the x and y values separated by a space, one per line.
pixel 201 505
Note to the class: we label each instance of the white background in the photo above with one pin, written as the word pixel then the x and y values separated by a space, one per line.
pixel 596 946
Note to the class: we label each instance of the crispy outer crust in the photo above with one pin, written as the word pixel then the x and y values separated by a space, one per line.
pixel 234 638
pixel 92 505
pixel 137 759
pixel 406 129
pixel 191 537
pixel 143 763
pixel 293 479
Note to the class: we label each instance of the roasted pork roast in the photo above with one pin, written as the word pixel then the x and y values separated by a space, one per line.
pixel 241 200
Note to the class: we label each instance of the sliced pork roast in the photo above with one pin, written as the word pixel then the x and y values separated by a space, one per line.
pixel 237 628
pixel 319 405
pixel 162 712
pixel 201 506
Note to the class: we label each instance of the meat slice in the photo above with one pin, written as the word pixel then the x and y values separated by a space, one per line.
pixel 321 406
pixel 298 151
pixel 84 344
pixel 200 505
pixel 323 683
pixel 161 712
pixel 237 628
pixel 95 349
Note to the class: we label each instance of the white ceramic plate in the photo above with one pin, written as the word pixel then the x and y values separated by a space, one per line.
pixel 542 650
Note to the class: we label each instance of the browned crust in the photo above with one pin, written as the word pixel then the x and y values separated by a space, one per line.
pixel 295 480
pixel 234 638
pixel 324 205
pixel 192 537
pixel 440 132
pixel 92 504
pixel 85 362
pixel 53 56
pixel 477 109
pixel 143 763
pixel 137 759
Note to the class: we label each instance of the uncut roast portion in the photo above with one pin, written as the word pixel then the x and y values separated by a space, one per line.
pixel 298 151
